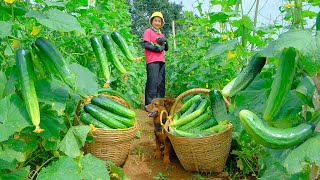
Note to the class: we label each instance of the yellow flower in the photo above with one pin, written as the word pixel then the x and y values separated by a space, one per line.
pixel 221 25
pixel 9 1
pixel 232 35
pixel 34 31
pixel 231 54
pixel 207 85
pixel 15 43
pixel 34 8
pixel 182 45
pixel 289 5
pixel 224 37
pixel 113 29
pixel 208 34
pixel 192 72
pixel 206 27
pixel 190 28
pixel 188 51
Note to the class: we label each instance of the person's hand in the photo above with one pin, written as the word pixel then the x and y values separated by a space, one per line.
pixel 162 40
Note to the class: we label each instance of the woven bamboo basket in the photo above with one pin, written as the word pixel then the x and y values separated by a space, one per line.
pixel 201 154
pixel 111 144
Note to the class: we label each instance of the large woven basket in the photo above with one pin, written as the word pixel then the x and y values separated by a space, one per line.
pixel 201 154
pixel 112 144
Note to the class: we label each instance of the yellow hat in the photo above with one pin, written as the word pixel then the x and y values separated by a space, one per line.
pixel 158 14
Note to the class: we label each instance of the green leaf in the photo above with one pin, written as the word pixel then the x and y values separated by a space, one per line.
pixel 85 79
pixel 74 140
pixel 35 14
pixel 304 155
pixel 56 3
pixel 219 48
pixel 303 41
pixel 59 21
pixel 13 151
pixel 246 21
pixel 52 124
pixel 117 170
pixel 3 82
pixel 19 174
pixel 52 92
pixel 63 168
pixel 13 117
pixel 93 168
pixel 5 29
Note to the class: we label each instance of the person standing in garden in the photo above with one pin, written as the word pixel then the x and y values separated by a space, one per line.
pixel 155 44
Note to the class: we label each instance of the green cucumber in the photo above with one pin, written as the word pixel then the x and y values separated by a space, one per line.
pixel 219 109
pixel 245 77
pixel 114 93
pixel 216 129
pixel 188 103
pixel 281 83
pixel 29 95
pixel 113 106
pixel 106 117
pixel 120 41
pixel 88 119
pixel 176 116
pixel 271 137
pixel 318 22
pixel 52 57
pixel 201 108
pixel 306 90
pixel 111 53
pixel 205 125
pixel 197 121
pixel 192 108
pixel 101 58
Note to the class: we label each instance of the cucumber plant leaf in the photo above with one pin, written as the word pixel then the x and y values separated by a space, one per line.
pixel 3 82
pixel 13 117
pixel 93 168
pixel 52 92
pixel 13 151
pixel 5 29
pixel 74 140
pixel 19 174
pixel 64 168
pixel 304 155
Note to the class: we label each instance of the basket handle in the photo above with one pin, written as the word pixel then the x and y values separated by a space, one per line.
pixel 161 123
pixel 186 93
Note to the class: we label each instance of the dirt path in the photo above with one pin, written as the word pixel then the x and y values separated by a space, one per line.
pixel 141 164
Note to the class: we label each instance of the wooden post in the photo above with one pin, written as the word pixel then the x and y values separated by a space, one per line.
pixel 174 36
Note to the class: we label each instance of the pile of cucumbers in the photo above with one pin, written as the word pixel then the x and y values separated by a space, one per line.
pixel 200 116
pixel 103 112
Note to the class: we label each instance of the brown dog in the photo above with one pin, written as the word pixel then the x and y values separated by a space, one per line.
pixel 154 109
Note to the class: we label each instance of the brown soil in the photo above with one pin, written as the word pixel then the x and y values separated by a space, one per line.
pixel 141 164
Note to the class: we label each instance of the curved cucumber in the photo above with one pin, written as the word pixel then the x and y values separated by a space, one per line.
pixel 108 118
pixel 281 83
pixel 88 119
pixel 111 105
pixel 29 95
pixel 120 41
pixel 52 57
pixel 201 108
pixel 271 137
pixel 219 109
pixel 101 57
pixel 111 54
pixel 192 108
pixel 197 121
pixel 188 103
pixel 245 77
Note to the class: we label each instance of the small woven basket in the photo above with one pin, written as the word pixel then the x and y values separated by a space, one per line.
pixel 111 144
pixel 201 154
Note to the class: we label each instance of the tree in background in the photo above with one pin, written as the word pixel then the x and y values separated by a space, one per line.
pixel 141 10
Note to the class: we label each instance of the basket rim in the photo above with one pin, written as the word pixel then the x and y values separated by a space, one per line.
pixel 135 126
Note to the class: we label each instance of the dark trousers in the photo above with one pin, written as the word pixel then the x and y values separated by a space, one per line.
pixel 155 85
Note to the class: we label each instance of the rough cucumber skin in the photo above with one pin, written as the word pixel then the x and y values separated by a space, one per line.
pixel 104 116
pixel 55 61
pixel 101 57
pixel 88 119
pixel 201 108
pixel 110 105
pixel 120 41
pixel 111 53
pixel 195 122
pixel 271 137
pixel 219 109
pixel 245 77
pixel 26 77
pixel 281 83
pixel 188 103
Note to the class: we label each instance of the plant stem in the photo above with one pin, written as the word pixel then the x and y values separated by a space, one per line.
pixel 12 13
pixel 41 167
pixel 255 21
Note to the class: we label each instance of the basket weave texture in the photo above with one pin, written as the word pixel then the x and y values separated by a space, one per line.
pixel 112 144
pixel 201 154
